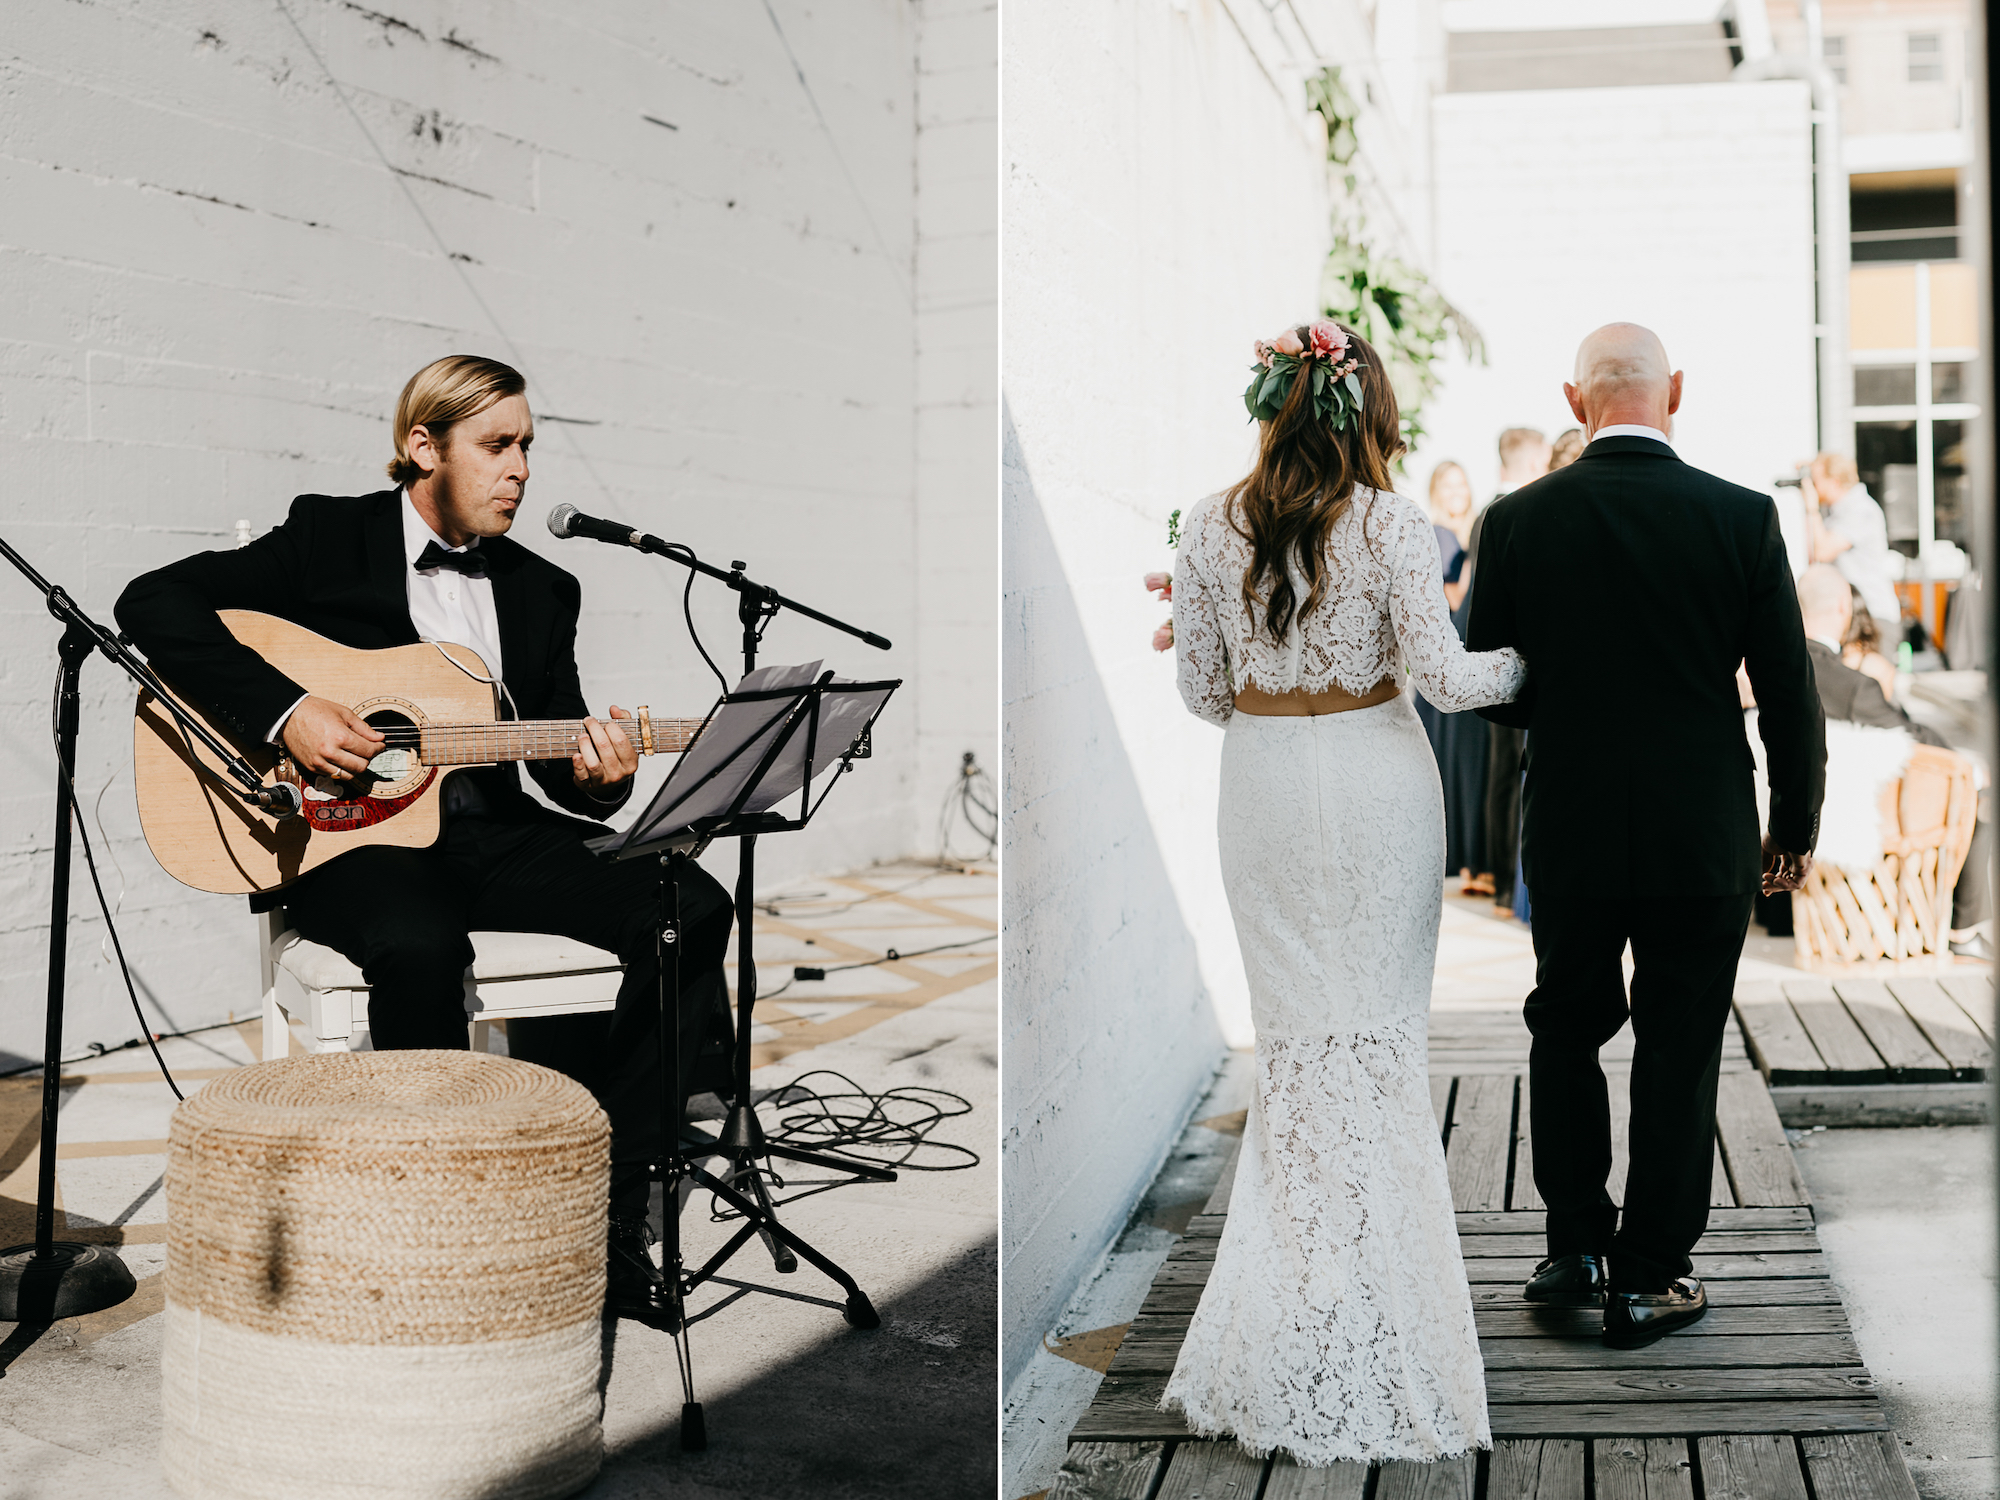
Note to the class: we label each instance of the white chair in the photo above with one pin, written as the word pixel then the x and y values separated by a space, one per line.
pixel 513 974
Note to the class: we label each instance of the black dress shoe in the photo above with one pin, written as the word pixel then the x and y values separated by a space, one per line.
pixel 1568 1281
pixel 1633 1320
pixel 633 1283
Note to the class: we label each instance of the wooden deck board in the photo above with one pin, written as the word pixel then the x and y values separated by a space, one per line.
pixel 1642 1468
pixel 1778 1043
pixel 1849 1056
pixel 1341 1481
pixel 1892 1033
pixel 1481 1138
pixel 1945 1023
pixel 1211 1471
pixel 1765 1465
pixel 1858 1468
pixel 1536 1469
pixel 1761 1168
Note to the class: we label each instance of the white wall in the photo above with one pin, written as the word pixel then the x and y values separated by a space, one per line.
pixel 958 400
pixel 1686 208
pixel 215 288
pixel 1165 197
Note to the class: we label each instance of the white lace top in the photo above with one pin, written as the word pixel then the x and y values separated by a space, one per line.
pixel 1385 590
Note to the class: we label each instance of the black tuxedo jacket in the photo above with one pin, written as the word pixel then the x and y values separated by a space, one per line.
pixel 336 566
pixel 1856 698
pixel 1634 585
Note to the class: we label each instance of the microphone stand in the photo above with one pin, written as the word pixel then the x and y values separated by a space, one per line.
pixel 741 1141
pixel 51 1278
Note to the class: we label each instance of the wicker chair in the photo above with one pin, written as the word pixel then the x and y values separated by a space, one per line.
pixel 1902 909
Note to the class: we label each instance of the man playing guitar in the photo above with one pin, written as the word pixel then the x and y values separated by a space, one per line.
pixel 431 560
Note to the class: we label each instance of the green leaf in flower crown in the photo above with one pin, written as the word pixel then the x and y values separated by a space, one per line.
pixel 1353 384
pixel 1319 379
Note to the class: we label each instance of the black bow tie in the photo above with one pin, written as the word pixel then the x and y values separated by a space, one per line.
pixel 472 564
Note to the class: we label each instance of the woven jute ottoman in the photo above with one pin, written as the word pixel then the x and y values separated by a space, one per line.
pixel 385 1278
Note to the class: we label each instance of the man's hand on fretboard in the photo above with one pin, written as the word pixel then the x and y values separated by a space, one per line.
pixel 604 759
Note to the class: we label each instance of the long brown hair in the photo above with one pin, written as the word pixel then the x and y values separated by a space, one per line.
pixel 1304 481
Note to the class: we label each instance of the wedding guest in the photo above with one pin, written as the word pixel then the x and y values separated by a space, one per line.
pixel 1451 521
pixel 1850 696
pixel 1861 647
pixel 1458 739
pixel 1566 450
pixel 1525 456
pixel 1847 528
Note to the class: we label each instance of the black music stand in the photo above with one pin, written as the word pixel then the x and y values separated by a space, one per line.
pixel 758 746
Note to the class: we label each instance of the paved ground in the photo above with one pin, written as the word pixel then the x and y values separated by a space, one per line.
pixel 797 1404
pixel 1906 1222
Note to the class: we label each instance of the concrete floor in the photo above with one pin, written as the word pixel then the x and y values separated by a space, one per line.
pixel 797 1404
pixel 1906 1218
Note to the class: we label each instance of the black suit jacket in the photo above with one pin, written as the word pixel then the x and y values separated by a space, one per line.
pixel 1634 585
pixel 1853 697
pixel 336 566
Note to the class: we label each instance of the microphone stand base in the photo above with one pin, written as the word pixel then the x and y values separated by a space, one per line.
pixel 68 1282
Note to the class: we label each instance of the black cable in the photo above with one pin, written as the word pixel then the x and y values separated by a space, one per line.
pixel 868 1130
pixel 75 814
pixel 687 609
pixel 972 796
pixel 820 972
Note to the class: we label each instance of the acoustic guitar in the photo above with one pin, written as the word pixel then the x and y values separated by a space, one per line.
pixel 434 712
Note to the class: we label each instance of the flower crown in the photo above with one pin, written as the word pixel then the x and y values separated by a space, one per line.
pixel 1322 347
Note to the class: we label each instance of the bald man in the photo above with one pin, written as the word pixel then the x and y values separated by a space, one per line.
pixel 1634 585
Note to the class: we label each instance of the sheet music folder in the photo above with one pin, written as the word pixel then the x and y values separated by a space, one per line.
pixel 768 738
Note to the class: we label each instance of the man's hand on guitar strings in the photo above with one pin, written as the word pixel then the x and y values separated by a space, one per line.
pixel 328 739
pixel 603 760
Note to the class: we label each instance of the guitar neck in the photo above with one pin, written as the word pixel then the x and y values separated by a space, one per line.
pixel 542 739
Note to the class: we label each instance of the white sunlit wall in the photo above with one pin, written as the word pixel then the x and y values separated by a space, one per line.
pixel 1686 207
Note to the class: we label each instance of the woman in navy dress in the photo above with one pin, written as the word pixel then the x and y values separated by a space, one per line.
pixel 1458 740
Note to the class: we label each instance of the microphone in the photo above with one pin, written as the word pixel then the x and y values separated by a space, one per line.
pixel 282 798
pixel 568 521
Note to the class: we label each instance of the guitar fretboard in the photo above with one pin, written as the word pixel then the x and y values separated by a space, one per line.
pixel 537 739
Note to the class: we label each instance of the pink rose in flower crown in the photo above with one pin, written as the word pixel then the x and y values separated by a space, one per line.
pixel 1288 343
pixel 1161 585
pixel 1163 638
pixel 1327 339
pixel 1263 354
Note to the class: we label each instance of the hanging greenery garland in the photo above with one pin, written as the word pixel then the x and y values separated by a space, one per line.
pixel 1385 300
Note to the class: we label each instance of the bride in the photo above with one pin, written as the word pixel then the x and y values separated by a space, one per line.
pixel 1336 1323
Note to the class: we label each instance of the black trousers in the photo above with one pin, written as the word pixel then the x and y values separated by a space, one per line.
pixel 403 915
pixel 1503 807
pixel 1684 955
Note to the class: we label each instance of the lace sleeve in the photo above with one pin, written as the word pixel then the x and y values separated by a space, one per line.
pixel 1450 677
pixel 1201 659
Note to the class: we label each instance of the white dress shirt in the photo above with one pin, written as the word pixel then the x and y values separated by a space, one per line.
pixel 1865 564
pixel 1632 429
pixel 445 606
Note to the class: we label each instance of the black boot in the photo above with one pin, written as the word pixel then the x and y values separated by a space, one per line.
pixel 633 1284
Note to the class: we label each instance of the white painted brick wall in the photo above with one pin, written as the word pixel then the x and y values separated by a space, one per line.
pixel 214 291
pixel 1165 198
pixel 1686 208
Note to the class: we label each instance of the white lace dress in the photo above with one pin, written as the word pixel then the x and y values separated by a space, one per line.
pixel 1336 1323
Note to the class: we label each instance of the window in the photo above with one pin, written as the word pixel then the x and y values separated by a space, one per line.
pixel 1834 50
pixel 1885 385
pixel 1886 454
pixel 1949 383
pixel 1926 57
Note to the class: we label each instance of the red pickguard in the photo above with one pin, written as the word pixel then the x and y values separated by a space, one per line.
pixel 346 814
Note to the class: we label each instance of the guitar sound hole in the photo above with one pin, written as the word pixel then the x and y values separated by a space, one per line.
pixel 398 757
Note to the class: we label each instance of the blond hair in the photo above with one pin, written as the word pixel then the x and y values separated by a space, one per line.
pixel 1839 469
pixel 1514 439
pixel 444 392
